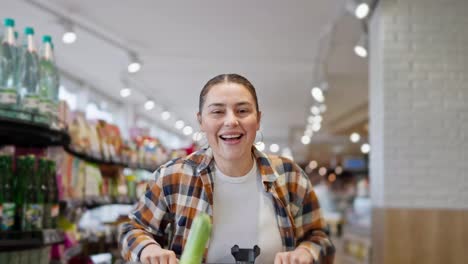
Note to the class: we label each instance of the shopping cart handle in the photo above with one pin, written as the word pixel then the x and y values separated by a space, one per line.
pixel 245 255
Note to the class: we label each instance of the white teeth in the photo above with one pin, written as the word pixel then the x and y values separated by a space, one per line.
pixel 231 136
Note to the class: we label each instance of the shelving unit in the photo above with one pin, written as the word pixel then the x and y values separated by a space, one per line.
pixel 30 131
pixel 18 240
pixel 93 202
pixel 100 161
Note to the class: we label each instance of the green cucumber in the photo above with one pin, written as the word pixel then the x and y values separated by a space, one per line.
pixel 199 234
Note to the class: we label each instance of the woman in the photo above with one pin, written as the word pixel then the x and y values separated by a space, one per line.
pixel 253 199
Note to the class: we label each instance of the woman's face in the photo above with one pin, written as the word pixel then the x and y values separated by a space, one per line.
pixel 230 120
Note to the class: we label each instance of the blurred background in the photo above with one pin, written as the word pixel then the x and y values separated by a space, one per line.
pixel 368 97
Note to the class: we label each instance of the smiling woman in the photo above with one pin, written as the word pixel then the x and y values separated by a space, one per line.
pixel 251 198
pixel 230 118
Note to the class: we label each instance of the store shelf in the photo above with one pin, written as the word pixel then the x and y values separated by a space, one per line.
pixel 93 202
pixel 14 240
pixel 102 161
pixel 31 130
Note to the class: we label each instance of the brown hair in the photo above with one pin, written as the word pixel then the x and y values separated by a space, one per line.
pixel 227 78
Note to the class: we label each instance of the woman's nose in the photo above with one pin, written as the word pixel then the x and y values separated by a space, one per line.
pixel 231 120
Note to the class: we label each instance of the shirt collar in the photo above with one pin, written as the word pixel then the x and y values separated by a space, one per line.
pixel 203 158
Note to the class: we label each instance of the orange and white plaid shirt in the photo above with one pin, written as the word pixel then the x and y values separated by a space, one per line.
pixel 182 188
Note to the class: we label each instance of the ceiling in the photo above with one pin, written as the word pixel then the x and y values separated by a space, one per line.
pixel 278 45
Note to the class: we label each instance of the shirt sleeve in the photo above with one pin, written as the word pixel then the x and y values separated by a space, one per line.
pixel 146 220
pixel 310 224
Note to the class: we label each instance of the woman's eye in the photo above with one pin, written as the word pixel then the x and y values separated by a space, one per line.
pixel 242 111
pixel 217 112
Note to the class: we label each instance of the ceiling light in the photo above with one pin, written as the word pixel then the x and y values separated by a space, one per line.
pixel 365 148
pixel 354 137
pixel 188 130
pixel 322 171
pixel 362 10
pixel 315 110
pixel 317 94
pixel 135 64
pixel 149 104
pixel 260 145
pixel 359 8
pixel 316 127
pixel 360 51
pixel 305 140
pixel 274 148
pixel 361 47
pixel 313 164
pixel 317 119
pixel 165 115
pixel 179 124
pixel 69 35
pixel 125 92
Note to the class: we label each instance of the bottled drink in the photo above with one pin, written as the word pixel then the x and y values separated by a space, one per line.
pixel 32 208
pixel 7 203
pixel 48 79
pixel 8 91
pixel 43 173
pixel 19 186
pixel 53 194
pixel 28 73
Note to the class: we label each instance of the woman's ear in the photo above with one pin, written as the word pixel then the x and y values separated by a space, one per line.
pixel 259 119
pixel 199 118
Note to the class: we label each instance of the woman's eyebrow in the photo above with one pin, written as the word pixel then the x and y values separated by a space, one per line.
pixel 216 105
pixel 243 103
pixel 223 105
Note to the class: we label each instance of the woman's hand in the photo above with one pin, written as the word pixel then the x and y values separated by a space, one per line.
pixel 298 256
pixel 153 254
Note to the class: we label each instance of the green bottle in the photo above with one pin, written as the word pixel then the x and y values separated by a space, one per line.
pixel 8 91
pixel 19 186
pixel 7 203
pixel 53 194
pixel 48 79
pixel 43 173
pixel 28 73
pixel 32 207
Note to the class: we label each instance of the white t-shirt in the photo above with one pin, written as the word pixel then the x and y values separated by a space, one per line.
pixel 243 215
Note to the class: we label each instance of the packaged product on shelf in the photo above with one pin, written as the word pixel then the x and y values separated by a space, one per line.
pixel 114 141
pixel 84 136
pixel 94 143
pixel 150 151
pixel 110 140
pixel 101 128
pixel 64 114
pixel 28 73
pixel 8 90
pixel 93 180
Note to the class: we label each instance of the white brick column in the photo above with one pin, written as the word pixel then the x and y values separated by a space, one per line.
pixel 419 131
pixel 419 104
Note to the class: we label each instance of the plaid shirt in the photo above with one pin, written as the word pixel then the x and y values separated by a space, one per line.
pixel 182 188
